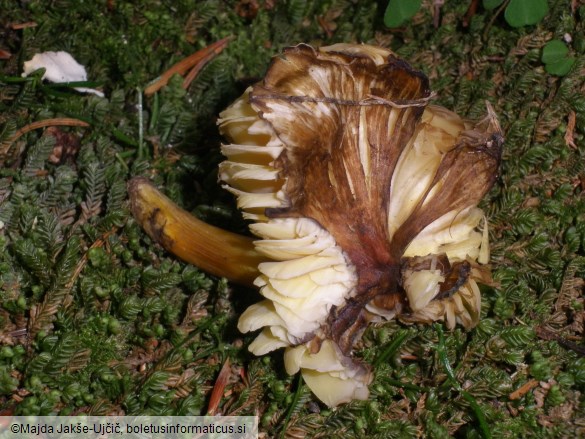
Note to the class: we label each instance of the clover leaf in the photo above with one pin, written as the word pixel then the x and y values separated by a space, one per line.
pixel 554 51
pixel 399 11
pixel 525 12
pixel 492 4
pixel 555 58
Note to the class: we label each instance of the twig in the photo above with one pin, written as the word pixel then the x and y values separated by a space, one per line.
pixel 470 13
pixel 81 264
pixel 18 26
pixel 491 22
pixel 548 335
pixel 523 390
pixel 369 101
pixel 437 4
pixel 195 61
pixel 61 121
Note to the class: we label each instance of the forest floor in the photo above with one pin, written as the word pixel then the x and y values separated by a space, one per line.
pixel 97 318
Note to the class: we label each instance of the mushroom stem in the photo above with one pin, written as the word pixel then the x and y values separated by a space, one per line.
pixel 210 248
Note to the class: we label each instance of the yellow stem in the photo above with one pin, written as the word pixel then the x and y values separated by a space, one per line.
pixel 214 250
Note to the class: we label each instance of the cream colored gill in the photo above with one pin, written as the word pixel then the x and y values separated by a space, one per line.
pixel 259 315
pixel 436 134
pixel 247 200
pixel 364 149
pixel 454 233
pixel 236 120
pixel 248 172
pixel 421 287
pixel 333 378
pixel 318 282
pixel 251 153
pixel 377 54
pixel 235 171
pixel 308 276
pixel 484 250
pixel 269 339
pixel 349 179
pixel 462 308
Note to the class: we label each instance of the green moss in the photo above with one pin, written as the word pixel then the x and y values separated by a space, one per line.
pixel 115 323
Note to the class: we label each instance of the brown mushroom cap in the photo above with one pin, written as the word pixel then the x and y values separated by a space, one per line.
pixel 365 199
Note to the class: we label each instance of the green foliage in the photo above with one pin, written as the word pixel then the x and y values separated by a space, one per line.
pixel 518 13
pixel 297 9
pixel 114 323
pixel 555 58
pixel 8 384
pixel 399 12
pixel 492 4
pixel 38 155
pixel 577 368
pixel 525 12
pixel 93 182
pixel 554 51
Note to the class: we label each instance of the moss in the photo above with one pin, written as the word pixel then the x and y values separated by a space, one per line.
pixel 115 323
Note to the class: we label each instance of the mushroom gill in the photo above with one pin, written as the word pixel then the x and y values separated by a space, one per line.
pixel 364 197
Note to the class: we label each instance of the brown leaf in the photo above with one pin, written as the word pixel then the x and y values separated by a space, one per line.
pixel 66 145
pixel 247 9
pixel 218 388
pixel 569 134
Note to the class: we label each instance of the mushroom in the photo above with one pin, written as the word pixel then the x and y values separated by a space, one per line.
pixel 364 197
